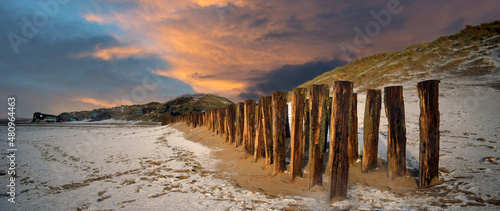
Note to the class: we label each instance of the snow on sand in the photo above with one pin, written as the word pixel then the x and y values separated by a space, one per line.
pixel 67 167
pixel 120 165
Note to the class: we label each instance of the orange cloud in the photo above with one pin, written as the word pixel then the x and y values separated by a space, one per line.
pixel 206 44
pixel 227 43
pixel 94 18
pixel 115 52
pixel 98 102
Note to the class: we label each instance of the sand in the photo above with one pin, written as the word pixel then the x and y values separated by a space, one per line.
pixel 243 171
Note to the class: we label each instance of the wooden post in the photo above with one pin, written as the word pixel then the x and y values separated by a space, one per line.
pixel 259 136
pixel 212 119
pixel 328 118
pixel 428 92
pixel 296 139
pixel 231 120
pixel 249 133
pixel 306 134
pixel 216 123
pixel 339 138
pixel 222 121
pixel 353 132
pixel 226 123
pixel 267 127
pixel 279 131
pixel 240 112
pixel 371 126
pixel 318 98
pixel 396 141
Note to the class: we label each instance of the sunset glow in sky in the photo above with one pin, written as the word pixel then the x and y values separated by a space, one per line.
pixel 67 55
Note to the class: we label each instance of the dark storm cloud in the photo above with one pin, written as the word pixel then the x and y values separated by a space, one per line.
pixel 97 50
pixel 50 73
pixel 454 27
pixel 288 77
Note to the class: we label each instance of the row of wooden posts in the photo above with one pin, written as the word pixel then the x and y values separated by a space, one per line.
pixel 262 131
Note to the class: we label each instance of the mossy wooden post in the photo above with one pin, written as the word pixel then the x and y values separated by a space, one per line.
pixel 267 127
pixel 248 139
pixel 396 141
pixel 240 112
pixel 428 92
pixel 318 98
pixel 371 127
pixel 339 138
pixel 353 132
pixel 230 119
pixel 279 131
pixel 297 139
pixel 259 135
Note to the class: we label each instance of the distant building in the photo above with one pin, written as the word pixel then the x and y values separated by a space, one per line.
pixel 40 117
pixel 99 115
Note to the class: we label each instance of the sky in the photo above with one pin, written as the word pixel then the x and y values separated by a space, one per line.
pixel 67 55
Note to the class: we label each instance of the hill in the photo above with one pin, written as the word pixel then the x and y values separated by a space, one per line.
pixel 474 51
pixel 153 111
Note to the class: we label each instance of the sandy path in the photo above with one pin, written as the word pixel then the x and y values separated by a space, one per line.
pixel 128 167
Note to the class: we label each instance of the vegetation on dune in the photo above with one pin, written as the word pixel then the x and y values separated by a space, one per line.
pixel 464 54
pixel 155 111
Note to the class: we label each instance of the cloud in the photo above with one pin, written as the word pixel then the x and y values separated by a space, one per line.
pixel 96 102
pixel 49 73
pixel 220 46
pixel 115 51
pixel 288 77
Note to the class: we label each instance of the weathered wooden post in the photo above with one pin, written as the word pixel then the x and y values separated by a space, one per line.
pixel 231 121
pixel 339 138
pixel 279 131
pixel 209 119
pixel 353 132
pixel 249 133
pixel 240 124
pixel 371 127
pixel 328 118
pixel 216 123
pixel 396 141
pixel 297 139
pixel 267 127
pixel 318 98
pixel 226 123
pixel 222 121
pixel 306 134
pixel 428 92
pixel 259 136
